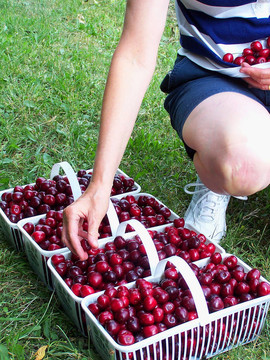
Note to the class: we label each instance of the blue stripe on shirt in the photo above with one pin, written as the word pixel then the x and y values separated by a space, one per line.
pixel 228 31
pixel 229 3
pixel 197 47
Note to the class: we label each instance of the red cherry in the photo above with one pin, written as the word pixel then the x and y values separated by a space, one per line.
pixel 134 296
pixel 179 222
pixel 250 59
pixel 264 53
pixel 253 274
pixel 113 327
pixel 102 266
pixel 184 233
pixel 261 60
pixel 223 276
pixel 57 259
pixel 228 57
pixel 247 52
pixel 104 316
pixel 38 236
pixel 125 337
pixel 216 258
pixel 192 315
pixel 230 262
pixel 230 300
pixel 53 247
pixel 256 46
pixel 216 303
pixel 149 303
pixel 158 314
pixel 94 279
pixel 238 275
pixel 75 288
pixel 242 288
pixel 239 60
pixel 170 320
pixel 103 301
pixel 146 319
pixel 122 315
pixel 61 269
pixel 15 209
pixel 29 227
pixel 94 308
pixel 86 290
pixel 181 314
pixel 263 288
pixel 116 304
pixel 69 282
pixel 150 330
pixel 194 255
pixel 133 324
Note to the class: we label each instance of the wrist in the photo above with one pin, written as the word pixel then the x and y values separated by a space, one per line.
pixel 98 189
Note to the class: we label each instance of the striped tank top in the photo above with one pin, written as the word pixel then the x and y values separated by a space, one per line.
pixel 211 28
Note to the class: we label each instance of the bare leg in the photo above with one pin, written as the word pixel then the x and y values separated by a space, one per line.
pixel 230 133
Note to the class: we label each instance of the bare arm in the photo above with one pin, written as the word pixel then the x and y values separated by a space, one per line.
pixel 131 70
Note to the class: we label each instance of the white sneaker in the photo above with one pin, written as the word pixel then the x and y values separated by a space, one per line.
pixel 206 213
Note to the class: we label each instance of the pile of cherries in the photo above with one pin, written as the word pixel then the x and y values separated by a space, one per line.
pixel 255 54
pixel 48 231
pixel 52 194
pixel 104 268
pixel 120 261
pixel 177 240
pixel 144 208
pixel 131 315
pixel 121 184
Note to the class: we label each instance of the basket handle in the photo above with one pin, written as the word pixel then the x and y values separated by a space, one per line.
pixel 146 240
pixel 72 177
pixel 113 218
pixel 192 282
pixel 77 192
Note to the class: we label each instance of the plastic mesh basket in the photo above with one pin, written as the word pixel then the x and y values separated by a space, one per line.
pixel 202 338
pixel 11 231
pixel 72 303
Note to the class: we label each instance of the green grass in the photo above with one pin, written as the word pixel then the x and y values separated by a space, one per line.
pixel 54 61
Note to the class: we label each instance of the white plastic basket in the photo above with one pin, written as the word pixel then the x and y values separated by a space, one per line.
pixel 11 230
pixel 137 195
pixel 219 248
pixel 72 303
pixel 38 257
pixel 242 324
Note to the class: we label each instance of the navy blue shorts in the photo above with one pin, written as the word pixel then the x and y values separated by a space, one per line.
pixel 188 84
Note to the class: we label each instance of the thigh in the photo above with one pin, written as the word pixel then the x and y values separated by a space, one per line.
pixel 225 119
pixel 229 133
pixel 189 85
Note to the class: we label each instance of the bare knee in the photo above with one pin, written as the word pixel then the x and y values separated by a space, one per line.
pixel 238 170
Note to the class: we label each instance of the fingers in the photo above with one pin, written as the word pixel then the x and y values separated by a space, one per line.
pixel 258 78
pixel 70 234
pixel 74 229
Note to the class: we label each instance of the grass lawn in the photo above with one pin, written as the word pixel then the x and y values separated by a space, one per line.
pixel 54 60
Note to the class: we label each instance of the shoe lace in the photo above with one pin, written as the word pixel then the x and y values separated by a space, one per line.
pixel 196 185
pixel 203 188
pixel 210 202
